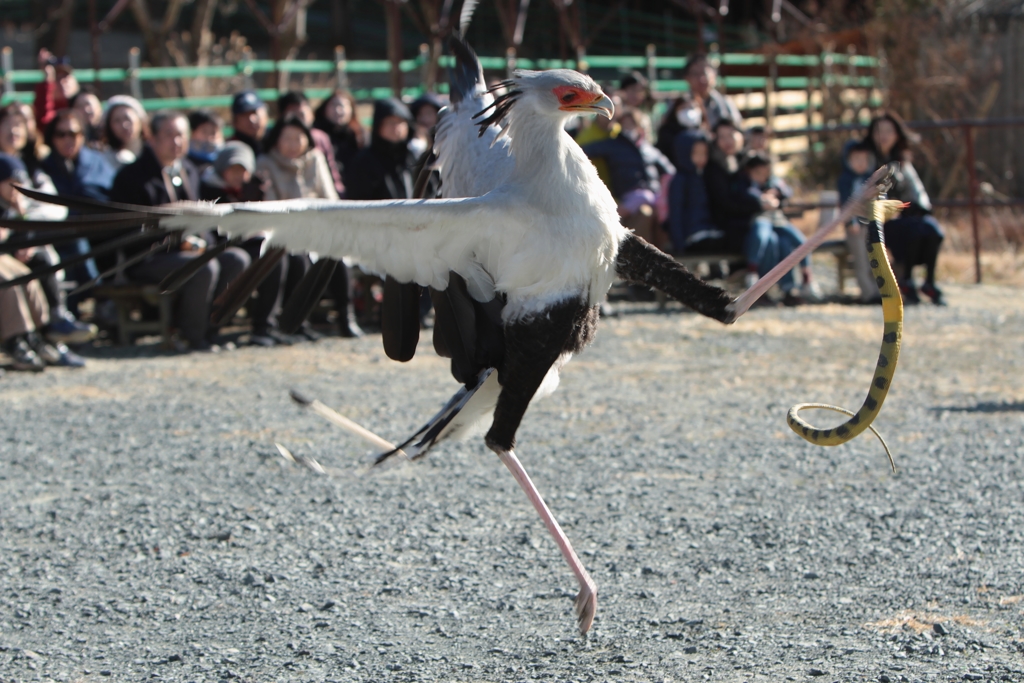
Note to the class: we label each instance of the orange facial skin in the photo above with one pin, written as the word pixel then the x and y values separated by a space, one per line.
pixel 571 98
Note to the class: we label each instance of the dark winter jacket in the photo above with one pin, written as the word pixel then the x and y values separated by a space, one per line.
pixel 633 166
pixel 142 182
pixel 344 142
pixel 91 174
pixel 689 218
pixel 384 170
pixel 733 206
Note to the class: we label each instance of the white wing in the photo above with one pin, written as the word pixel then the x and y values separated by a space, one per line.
pixel 416 240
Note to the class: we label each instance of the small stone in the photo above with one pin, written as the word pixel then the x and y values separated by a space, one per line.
pixel 305 607
pixel 973 677
pixel 884 679
pixel 811 576
pixel 327 605
pixel 174 658
pixel 816 672
pixel 690 650
pixel 106 672
pixel 939 629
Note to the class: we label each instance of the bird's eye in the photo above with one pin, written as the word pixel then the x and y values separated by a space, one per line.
pixel 568 97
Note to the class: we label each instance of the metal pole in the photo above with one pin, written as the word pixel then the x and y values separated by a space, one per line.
pixel 134 57
pixel 972 198
pixel 6 67
pixel 340 64
pixel 510 61
pixel 581 60
pixel 94 42
pixel 652 64
pixel 425 67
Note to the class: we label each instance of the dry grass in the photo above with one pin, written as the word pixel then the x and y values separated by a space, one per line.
pixel 920 622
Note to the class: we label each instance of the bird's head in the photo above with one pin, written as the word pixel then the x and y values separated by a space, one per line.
pixel 558 94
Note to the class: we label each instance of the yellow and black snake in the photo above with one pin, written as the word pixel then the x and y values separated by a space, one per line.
pixel 879 212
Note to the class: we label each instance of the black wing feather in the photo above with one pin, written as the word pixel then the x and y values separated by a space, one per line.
pixel 306 295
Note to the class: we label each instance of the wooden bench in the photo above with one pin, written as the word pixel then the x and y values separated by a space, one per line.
pixel 699 264
pixel 129 298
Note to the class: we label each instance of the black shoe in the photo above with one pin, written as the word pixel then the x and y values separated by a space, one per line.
pixel 909 294
pixel 22 355
pixel 933 293
pixel 349 328
pixel 262 339
pixel 49 353
pixel 309 333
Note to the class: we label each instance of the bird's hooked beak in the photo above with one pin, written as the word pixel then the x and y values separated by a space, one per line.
pixel 598 103
pixel 603 106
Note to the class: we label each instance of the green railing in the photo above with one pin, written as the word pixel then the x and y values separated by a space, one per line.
pixel 341 67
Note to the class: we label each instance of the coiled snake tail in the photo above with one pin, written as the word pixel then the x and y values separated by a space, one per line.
pixel 892 314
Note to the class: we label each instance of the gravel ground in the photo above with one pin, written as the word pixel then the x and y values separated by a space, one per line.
pixel 149 529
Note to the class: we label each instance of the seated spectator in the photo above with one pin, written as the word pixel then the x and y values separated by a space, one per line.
pixel 249 119
pixel 858 165
pixel 162 175
pixel 336 116
pixel 206 140
pixel 124 129
pixel 63 327
pixel 292 168
pixel 76 171
pixel 636 168
pixel 690 226
pixel 57 88
pixel 597 129
pixel 682 115
pixel 914 237
pixel 702 77
pixel 24 310
pixel 87 104
pixel 230 177
pixel 757 139
pixel 35 149
pixel 296 104
pixel 732 208
pixel 424 114
pixel 634 90
pixel 383 170
pixel 772 237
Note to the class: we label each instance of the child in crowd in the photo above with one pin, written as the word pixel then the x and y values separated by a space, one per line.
pixel 772 237
pixel 858 164
pixel 636 168
pixel 689 225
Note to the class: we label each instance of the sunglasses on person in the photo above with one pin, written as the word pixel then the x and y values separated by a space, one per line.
pixel 65 133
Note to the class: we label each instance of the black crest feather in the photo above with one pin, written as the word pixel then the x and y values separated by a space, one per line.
pixel 501 106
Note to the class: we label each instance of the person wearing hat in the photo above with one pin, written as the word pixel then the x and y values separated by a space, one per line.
pixel 57 88
pixel 230 177
pixel 295 103
pixel 163 174
pixel 384 169
pixel 123 129
pixel 424 115
pixel 249 119
pixel 207 138
pixel 24 310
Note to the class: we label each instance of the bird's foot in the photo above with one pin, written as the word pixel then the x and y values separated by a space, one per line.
pixel 586 605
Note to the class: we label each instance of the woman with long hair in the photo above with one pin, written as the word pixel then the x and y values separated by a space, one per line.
pixel 915 237
pixel 336 116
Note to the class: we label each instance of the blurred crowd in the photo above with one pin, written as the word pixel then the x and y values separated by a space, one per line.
pixel 702 184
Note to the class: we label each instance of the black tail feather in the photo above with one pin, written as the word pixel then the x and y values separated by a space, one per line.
pixel 467 74
pixel 400 319
pixel 86 205
pixel 82 225
pixel 306 295
pixel 455 328
pixel 112 245
pixel 120 267
pixel 55 237
pixel 241 288
pixel 175 279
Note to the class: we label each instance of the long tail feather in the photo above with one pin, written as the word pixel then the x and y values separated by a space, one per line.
pixel 55 237
pixel 306 296
pixel 241 288
pixel 106 248
pixel 83 225
pixel 84 204
pixel 120 267
pixel 467 75
pixel 176 278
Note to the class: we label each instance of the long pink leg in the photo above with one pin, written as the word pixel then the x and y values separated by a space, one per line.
pixel 586 601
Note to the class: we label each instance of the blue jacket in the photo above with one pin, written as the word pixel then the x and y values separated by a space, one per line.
pixel 689 211
pixel 92 177
pixel 631 166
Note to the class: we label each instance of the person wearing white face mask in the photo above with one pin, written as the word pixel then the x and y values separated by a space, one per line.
pixel 682 115
pixel 702 77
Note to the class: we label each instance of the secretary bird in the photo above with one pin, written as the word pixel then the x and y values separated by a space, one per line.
pixel 518 253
